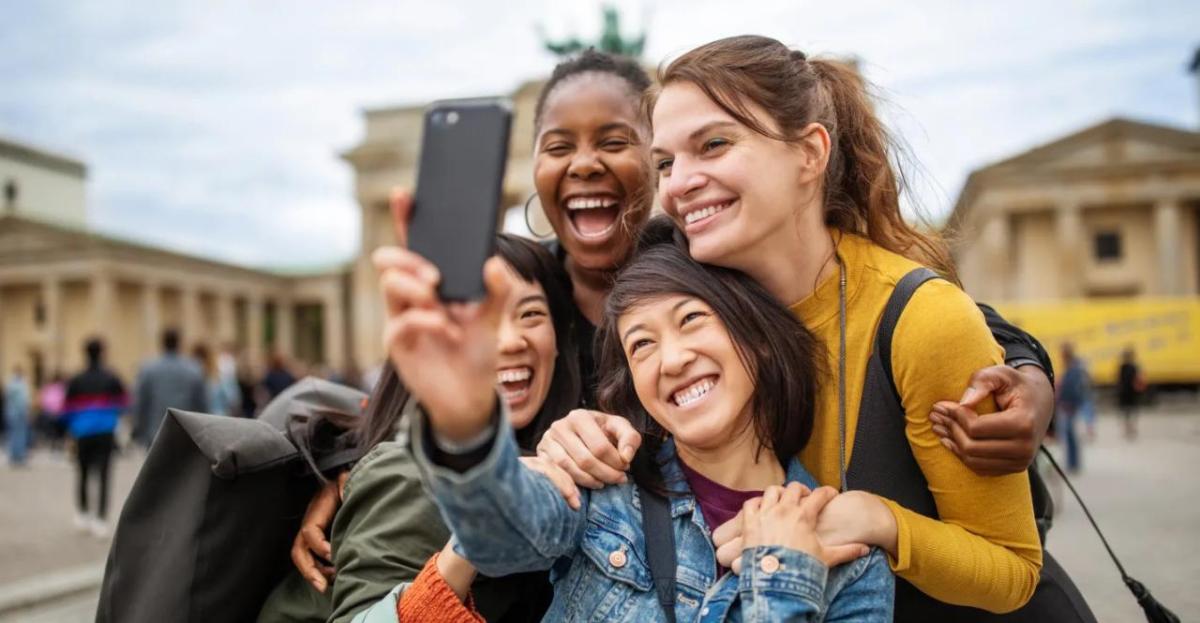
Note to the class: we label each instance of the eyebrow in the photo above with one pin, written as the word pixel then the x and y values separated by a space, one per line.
pixel 674 307
pixel 704 129
pixel 532 298
pixel 608 127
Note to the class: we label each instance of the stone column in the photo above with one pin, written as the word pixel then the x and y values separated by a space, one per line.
pixel 102 298
pixel 1069 237
pixel 52 331
pixel 226 331
pixel 189 332
pixel 284 332
pixel 151 318
pixel 333 328
pixel 254 329
pixel 998 267
pixel 1167 234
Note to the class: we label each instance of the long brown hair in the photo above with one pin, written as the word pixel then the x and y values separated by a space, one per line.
pixel 779 353
pixel 862 182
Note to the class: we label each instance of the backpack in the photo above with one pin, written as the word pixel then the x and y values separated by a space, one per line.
pixel 206 530
pixel 883 464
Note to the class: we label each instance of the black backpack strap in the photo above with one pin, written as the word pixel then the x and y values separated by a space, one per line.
pixel 905 288
pixel 660 547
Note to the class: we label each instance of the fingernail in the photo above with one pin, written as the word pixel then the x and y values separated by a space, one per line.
pixel 624 479
pixel 627 453
pixel 946 442
pixel 939 431
pixel 969 395
pixel 573 503
pixel 936 418
pixel 863 551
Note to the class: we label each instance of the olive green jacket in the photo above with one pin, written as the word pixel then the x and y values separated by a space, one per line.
pixel 385 531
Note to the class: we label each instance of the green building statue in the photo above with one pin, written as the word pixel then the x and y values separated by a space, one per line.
pixel 611 40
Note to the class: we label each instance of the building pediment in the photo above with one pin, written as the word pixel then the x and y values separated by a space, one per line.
pixel 23 239
pixel 1117 142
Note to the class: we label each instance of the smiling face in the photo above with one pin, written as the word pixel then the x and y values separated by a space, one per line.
pixel 528 348
pixel 734 191
pixel 591 170
pixel 686 370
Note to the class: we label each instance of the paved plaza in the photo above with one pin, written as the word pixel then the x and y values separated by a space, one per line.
pixel 1145 494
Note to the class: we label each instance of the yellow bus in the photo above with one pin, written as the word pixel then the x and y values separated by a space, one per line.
pixel 1163 332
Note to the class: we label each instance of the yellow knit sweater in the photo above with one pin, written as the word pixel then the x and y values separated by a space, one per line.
pixel 984 552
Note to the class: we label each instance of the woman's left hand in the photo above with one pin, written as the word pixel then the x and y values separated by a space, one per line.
pixel 1004 442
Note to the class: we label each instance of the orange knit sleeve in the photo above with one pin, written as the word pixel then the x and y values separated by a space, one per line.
pixel 429 598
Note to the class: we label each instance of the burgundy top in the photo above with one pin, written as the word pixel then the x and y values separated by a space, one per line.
pixel 717 502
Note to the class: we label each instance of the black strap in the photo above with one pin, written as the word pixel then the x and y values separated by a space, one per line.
pixel 905 288
pixel 660 547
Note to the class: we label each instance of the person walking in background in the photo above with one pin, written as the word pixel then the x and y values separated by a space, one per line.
pixel 1130 385
pixel 227 379
pixel 16 417
pixel 169 381
pixel 50 398
pixel 278 377
pixel 95 399
pixel 221 399
pixel 1074 391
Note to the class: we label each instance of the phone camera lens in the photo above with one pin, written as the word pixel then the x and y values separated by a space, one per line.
pixel 438 118
pixel 451 118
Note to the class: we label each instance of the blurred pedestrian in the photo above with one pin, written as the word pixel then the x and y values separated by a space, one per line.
pixel 16 417
pixel 95 400
pixel 278 378
pixel 50 402
pixel 220 398
pixel 1130 386
pixel 227 378
pixel 1074 391
pixel 246 374
pixel 169 381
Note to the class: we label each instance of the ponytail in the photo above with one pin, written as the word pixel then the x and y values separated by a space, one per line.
pixel 862 183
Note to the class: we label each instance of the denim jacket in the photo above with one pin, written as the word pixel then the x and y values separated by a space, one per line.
pixel 507 519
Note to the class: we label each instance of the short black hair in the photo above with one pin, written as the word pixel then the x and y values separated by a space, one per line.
pixel 593 60
pixel 170 340
pixel 94 349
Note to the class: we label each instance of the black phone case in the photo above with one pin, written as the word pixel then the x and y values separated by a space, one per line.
pixel 460 178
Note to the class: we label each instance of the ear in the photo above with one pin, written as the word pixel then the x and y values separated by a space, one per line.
pixel 814 145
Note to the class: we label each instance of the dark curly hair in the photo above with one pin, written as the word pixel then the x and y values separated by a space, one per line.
pixel 592 60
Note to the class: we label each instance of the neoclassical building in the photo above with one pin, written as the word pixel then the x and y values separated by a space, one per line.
pixel 1109 211
pixel 61 283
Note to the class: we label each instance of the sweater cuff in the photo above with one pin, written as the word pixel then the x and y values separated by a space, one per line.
pixel 429 598
pixel 903 559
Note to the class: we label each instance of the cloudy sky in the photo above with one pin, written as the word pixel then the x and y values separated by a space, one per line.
pixel 213 126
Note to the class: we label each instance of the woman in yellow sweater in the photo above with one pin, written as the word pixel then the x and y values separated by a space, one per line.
pixel 776 165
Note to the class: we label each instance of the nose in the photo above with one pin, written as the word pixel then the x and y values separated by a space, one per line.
pixel 585 164
pixel 676 356
pixel 684 179
pixel 509 338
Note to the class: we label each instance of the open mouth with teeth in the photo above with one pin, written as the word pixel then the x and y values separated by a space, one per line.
pixel 694 392
pixel 704 215
pixel 593 216
pixel 514 383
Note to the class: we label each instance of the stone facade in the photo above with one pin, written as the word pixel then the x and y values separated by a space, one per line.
pixel 61 284
pixel 1110 211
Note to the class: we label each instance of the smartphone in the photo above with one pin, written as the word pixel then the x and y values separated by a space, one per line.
pixel 460 175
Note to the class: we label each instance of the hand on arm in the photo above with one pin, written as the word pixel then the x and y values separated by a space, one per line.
pixel 1004 442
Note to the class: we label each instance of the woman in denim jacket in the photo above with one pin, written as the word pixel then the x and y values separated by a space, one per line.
pixel 706 363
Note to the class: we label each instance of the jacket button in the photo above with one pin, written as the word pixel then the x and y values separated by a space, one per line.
pixel 617 558
pixel 769 564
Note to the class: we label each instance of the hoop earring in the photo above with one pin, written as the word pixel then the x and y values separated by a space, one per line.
pixel 529 224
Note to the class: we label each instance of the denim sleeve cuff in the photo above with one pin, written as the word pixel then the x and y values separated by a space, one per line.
pixel 783 572
pixel 483 474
